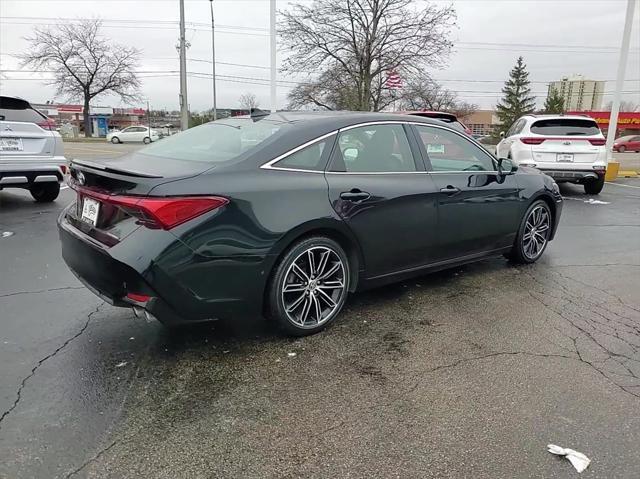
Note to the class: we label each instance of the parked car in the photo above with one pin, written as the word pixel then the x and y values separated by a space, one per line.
pixel 448 118
pixel 569 148
pixel 285 214
pixel 138 133
pixel 31 150
pixel 627 143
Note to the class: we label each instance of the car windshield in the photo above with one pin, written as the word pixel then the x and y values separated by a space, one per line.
pixel 565 127
pixel 625 138
pixel 215 142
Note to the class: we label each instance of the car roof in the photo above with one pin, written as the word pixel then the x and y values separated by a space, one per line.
pixel 333 120
pixel 442 115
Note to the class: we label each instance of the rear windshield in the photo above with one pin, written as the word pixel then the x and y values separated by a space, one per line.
pixel 14 109
pixel 565 127
pixel 215 142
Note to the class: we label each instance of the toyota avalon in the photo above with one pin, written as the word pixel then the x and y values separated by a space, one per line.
pixel 282 215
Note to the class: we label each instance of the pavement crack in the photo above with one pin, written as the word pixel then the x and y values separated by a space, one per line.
pixel 17 293
pixel 90 460
pixel 43 360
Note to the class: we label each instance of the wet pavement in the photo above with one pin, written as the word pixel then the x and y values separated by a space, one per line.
pixel 470 372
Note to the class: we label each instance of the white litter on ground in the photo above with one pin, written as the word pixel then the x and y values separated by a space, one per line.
pixel 6 234
pixel 121 365
pixel 579 460
pixel 591 201
pixel 292 355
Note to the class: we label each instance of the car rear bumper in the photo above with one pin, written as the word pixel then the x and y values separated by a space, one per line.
pixel 22 172
pixel 167 272
pixel 573 176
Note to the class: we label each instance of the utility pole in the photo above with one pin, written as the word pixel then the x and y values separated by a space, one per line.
pixel 213 62
pixel 272 15
pixel 184 111
pixel 149 118
pixel 622 66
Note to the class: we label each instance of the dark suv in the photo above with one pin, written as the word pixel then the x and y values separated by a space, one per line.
pixel 31 151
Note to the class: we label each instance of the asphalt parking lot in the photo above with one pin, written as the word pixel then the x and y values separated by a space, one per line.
pixel 470 372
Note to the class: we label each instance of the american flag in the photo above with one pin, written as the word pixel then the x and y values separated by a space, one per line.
pixel 393 81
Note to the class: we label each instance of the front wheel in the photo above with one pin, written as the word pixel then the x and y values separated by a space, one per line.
pixel 622 149
pixel 146 140
pixel 309 286
pixel 115 140
pixel 45 192
pixel 593 187
pixel 533 234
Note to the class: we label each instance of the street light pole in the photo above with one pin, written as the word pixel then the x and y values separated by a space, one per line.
pixel 213 62
pixel 622 65
pixel 272 15
pixel 184 110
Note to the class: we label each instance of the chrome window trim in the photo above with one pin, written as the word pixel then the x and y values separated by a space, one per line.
pixel 269 165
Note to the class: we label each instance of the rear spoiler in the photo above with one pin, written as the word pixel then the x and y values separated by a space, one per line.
pixel 102 167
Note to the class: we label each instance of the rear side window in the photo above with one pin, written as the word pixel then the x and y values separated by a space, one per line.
pixel 373 149
pixel 310 158
pixel 14 109
pixel 565 127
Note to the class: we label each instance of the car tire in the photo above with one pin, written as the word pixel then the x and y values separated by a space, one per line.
pixel 316 274
pixel 622 149
pixel 594 187
pixel 537 216
pixel 146 140
pixel 45 192
pixel 115 140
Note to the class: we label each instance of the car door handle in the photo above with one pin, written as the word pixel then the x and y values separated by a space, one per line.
pixel 450 190
pixel 355 195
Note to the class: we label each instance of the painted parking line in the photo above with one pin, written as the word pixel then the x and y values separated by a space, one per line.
pixel 618 184
pixel 92 150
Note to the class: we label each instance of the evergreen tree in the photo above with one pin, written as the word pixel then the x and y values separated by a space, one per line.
pixel 517 100
pixel 554 102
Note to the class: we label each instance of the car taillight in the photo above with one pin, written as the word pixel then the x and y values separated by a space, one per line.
pixel 160 213
pixel 597 141
pixel 47 124
pixel 532 141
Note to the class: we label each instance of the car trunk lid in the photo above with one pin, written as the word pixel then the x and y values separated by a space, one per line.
pixel 566 149
pixel 108 191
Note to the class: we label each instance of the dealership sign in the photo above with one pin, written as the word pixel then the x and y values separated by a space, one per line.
pixel 627 120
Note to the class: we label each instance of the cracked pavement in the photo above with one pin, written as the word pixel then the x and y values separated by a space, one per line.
pixel 469 372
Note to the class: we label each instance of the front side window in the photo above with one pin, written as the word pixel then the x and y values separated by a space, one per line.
pixel 216 142
pixel 310 158
pixel 373 149
pixel 448 151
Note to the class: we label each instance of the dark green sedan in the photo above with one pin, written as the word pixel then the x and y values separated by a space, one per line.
pixel 282 215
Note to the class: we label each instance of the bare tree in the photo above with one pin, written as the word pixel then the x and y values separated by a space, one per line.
pixel 360 42
pixel 422 93
pixel 624 106
pixel 84 65
pixel 248 101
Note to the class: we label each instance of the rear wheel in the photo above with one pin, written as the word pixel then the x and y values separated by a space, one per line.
pixel 309 286
pixel 45 192
pixel 115 140
pixel 593 187
pixel 146 140
pixel 533 234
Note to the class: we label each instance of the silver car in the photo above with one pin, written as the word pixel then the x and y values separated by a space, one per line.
pixel 31 151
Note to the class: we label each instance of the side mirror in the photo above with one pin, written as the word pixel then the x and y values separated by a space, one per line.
pixel 350 154
pixel 502 134
pixel 506 166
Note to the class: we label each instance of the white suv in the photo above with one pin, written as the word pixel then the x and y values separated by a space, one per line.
pixel 31 151
pixel 569 148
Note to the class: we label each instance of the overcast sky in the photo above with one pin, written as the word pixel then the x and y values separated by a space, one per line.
pixel 556 38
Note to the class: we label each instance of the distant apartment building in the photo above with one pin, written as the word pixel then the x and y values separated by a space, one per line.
pixel 579 94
